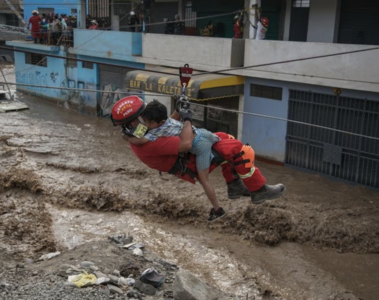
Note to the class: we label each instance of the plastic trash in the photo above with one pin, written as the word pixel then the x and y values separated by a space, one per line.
pixel 49 255
pixel 83 279
pixel 138 252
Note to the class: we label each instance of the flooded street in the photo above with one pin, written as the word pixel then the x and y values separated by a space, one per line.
pixel 68 179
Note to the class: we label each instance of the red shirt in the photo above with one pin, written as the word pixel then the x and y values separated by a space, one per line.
pixel 34 20
pixel 160 154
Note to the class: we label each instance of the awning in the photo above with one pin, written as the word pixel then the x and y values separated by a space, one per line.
pixel 200 88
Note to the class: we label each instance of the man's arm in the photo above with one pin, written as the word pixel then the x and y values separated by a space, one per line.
pixel 137 141
pixel 186 137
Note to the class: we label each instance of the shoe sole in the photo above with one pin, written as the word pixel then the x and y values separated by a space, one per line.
pixel 268 199
pixel 219 218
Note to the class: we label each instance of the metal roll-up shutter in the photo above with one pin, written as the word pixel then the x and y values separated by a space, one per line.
pixel 112 84
pixel 332 151
pixel 359 22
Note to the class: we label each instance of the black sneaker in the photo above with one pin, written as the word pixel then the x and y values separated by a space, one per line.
pixel 236 189
pixel 215 215
pixel 267 192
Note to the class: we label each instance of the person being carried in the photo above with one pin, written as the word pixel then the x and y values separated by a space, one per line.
pixel 159 125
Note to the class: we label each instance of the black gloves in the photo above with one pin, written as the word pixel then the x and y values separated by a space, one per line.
pixel 186 115
pixel 182 104
pixel 126 131
pixel 183 108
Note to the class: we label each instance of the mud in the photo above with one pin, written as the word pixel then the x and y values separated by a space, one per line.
pixel 50 155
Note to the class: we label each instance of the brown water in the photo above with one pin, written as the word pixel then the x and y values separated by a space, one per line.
pixel 76 174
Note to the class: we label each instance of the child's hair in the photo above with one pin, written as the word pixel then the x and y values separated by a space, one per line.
pixel 155 111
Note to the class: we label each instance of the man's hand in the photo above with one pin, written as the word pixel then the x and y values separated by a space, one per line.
pixel 182 104
pixel 127 132
pixel 186 115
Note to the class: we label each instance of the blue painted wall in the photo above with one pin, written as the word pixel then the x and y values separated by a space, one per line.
pixel 82 78
pixel 52 75
pixel 267 135
pixel 117 45
pixel 59 7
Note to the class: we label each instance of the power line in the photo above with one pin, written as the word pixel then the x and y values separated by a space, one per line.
pixel 220 71
pixel 291 60
pixel 79 59
pixel 201 105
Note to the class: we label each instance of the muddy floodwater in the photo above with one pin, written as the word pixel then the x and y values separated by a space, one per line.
pixel 68 179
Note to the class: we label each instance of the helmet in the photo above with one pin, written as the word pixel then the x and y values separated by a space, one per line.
pixel 34 12
pixel 126 110
pixel 264 21
pixel 132 13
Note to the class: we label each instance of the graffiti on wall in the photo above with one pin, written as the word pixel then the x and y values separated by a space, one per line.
pixel 110 95
pixel 54 76
pixel 75 94
pixel 37 79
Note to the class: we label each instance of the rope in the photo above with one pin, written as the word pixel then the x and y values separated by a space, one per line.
pixel 207 106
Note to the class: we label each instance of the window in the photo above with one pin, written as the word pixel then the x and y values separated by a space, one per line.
pixel 264 91
pixel 11 20
pixel 301 3
pixel 71 62
pixel 45 11
pixel 36 59
pixel 87 64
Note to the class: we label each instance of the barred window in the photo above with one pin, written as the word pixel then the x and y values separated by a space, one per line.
pixel 87 65
pixel 301 3
pixel 45 10
pixel 264 91
pixel 36 59
pixel 72 62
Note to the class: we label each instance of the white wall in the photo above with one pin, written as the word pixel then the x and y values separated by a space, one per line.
pixel 322 16
pixel 164 99
pixel 357 71
pixel 202 53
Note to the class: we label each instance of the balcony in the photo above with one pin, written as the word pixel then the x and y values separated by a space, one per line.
pixel 357 71
pixel 207 54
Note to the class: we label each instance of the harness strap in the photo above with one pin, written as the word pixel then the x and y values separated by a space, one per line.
pixel 180 167
pixel 241 162
pixel 239 155
pixel 217 157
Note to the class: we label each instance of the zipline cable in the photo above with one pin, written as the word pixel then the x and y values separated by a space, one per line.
pixel 208 106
